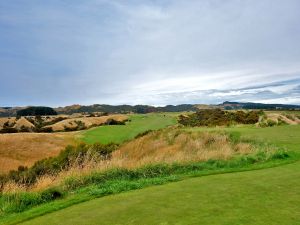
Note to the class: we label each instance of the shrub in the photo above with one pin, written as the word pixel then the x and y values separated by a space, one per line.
pixel 114 122
pixel 63 161
pixel 24 129
pixel 281 121
pixel 45 130
pixel 271 123
pixel 36 111
pixel 8 130
pixel 51 194
pixel 79 126
pixel 218 117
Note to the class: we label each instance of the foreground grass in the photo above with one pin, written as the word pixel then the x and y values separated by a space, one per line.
pixel 121 133
pixel 283 137
pixel 269 196
pixel 116 181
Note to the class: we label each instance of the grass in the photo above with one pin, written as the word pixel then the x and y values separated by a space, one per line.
pixel 269 196
pixel 116 181
pixel 27 148
pixel 286 136
pixel 121 133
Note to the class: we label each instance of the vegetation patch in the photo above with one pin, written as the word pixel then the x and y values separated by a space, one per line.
pixel 99 170
pixel 36 111
pixel 218 117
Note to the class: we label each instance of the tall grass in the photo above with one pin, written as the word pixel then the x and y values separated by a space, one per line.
pixel 117 180
pixel 157 157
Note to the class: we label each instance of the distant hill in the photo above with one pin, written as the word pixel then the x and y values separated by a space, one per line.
pixel 124 108
pixel 36 111
pixel 12 111
pixel 251 105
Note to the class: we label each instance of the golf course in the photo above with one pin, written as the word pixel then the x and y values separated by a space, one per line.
pixel 263 192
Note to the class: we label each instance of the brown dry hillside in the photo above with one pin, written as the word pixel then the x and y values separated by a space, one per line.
pixel 26 148
pixel 22 122
pixel 175 145
pixel 88 121
pixel 287 118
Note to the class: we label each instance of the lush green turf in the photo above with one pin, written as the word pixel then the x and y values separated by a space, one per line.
pixel 260 197
pixel 121 133
pixel 287 136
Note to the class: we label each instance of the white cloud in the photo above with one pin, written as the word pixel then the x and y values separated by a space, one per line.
pixel 158 52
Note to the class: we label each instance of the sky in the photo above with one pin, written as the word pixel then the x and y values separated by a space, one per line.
pixel 156 52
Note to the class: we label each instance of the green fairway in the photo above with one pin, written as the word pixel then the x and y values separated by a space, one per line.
pixel 260 197
pixel 287 136
pixel 120 133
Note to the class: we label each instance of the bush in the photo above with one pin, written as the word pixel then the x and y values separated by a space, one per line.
pixel 51 194
pixel 45 130
pixel 218 117
pixel 24 129
pixel 8 130
pixel 63 161
pixel 79 126
pixel 115 122
pixel 36 111
pixel 271 123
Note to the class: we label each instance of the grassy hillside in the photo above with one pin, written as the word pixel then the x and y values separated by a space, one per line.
pixel 137 125
pixel 24 149
pixel 287 136
pixel 270 196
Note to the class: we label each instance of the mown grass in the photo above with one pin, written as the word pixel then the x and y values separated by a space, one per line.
pixel 260 197
pixel 79 189
pixel 120 133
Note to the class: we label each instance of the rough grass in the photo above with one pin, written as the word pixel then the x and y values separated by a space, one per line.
pixel 159 154
pixel 120 180
pixel 121 133
pixel 91 182
pixel 176 145
pixel 286 136
pixel 23 149
pixel 234 209
pixel 26 148
pixel 260 197
pixel 171 145
pixel 288 118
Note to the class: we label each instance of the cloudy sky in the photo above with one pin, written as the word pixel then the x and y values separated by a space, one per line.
pixel 158 52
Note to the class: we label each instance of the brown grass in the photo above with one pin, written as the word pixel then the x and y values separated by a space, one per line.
pixel 26 148
pixel 23 122
pixel 3 120
pixel 88 121
pixel 177 146
pixel 276 116
pixel 168 146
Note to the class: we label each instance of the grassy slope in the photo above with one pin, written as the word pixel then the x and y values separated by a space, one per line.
pixel 269 196
pixel 287 136
pixel 263 185
pixel 120 133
